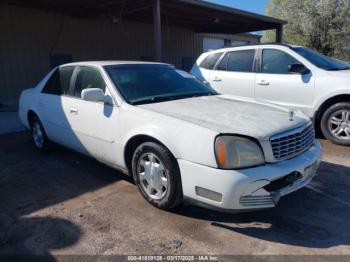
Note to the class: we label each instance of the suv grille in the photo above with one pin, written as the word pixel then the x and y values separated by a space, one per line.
pixel 293 143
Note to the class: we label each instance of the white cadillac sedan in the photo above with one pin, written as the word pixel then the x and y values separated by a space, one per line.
pixel 178 138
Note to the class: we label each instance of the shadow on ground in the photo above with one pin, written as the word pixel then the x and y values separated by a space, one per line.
pixel 30 182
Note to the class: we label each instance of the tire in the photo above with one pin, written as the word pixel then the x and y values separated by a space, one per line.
pixel 39 137
pixel 157 175
pixel 335 123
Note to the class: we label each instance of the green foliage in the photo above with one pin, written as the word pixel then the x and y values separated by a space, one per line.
pixel 323 25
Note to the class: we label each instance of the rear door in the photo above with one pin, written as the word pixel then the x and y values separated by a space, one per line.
pixel 274 82
pixel 235 73
pixel 204 69
pixel 53 105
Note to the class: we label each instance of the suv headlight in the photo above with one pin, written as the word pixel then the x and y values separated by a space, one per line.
pixel 233 152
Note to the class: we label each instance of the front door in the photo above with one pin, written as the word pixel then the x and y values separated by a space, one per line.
pixel 277 85
pixel 94 123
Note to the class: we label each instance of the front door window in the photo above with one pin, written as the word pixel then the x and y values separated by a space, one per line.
pixel 276 62
pixel 88 77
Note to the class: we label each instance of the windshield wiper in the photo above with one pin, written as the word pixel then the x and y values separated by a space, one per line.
pixel 169 98
pixel 150 100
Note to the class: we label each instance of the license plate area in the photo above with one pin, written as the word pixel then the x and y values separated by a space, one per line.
pixel 283 182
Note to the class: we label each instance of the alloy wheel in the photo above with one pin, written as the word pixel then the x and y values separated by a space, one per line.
pixel 339 124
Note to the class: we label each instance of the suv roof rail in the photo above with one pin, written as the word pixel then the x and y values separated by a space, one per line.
pixel 250 44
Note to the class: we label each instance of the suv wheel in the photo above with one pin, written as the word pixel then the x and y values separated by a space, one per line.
pixel 39 137
pixel 335 123
pixel 157 175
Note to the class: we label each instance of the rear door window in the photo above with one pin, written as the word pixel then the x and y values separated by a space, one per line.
pixel 238 61
pixel 59 82
pixel 210 61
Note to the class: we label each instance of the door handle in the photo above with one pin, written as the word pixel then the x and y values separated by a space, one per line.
pixel 263 83
pixel 217 79
pixel 73 111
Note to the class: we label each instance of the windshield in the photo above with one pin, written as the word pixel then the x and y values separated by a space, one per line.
pixel 143 84
pixel 321 61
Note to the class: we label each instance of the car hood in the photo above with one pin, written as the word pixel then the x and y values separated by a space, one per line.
pixel 228 115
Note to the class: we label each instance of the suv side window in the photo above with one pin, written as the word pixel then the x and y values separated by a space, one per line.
pixel 88 77
pixel 276 62
pixel 238 61
pixel 59 82
pixel 210 61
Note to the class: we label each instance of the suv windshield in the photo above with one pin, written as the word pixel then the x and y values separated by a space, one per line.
pixel 321 61
pixel 144 84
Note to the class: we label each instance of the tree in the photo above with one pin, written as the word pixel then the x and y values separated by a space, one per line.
pixel 323 25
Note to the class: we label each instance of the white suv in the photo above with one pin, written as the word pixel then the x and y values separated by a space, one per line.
pixel 292 76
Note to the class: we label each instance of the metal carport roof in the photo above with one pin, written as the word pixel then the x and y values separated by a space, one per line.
pixel 199 16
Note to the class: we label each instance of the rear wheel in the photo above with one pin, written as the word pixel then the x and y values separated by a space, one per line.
pixel 40 140
pixel 335 123
pixel 157 175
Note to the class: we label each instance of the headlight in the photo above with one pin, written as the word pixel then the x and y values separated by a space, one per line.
pixel 234 152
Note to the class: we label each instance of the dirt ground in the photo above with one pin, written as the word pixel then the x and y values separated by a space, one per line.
pixel 65 203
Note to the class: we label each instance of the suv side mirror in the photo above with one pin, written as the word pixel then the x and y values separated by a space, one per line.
pixel 298 69
pixel 93 95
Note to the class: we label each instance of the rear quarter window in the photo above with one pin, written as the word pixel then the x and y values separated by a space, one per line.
pixel 210 61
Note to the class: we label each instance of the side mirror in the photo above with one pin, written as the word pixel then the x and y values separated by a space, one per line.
pixel 93 95
pixel 298 69
pixel 108 100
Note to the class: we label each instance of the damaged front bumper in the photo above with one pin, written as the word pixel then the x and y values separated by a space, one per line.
pixel 248 189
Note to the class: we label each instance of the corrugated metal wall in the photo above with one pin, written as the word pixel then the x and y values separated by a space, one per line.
pixel 29 36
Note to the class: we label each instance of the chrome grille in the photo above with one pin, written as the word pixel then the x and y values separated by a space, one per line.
pixel 292 143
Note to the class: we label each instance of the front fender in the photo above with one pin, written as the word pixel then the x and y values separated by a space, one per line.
pixel 328 96
pixel 185 141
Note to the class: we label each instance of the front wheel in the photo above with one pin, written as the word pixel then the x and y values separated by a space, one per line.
pixel 335 124
pixel 157 175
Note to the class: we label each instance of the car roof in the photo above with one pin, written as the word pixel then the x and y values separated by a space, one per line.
pixel 111 63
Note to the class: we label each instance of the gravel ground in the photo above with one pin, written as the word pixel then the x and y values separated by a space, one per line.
pixel 65 203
